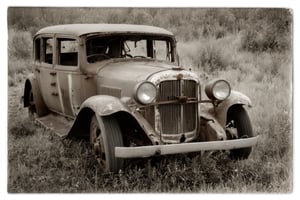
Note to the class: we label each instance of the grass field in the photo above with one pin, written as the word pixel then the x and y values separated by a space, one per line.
pixel 39 161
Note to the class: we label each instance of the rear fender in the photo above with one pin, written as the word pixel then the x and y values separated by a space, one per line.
pixel 40 106
pixel 235 98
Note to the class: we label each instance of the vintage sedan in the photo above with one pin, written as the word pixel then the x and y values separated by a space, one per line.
pixel 122 87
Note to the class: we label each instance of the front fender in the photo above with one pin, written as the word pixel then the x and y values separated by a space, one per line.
pixel 101 105
pixel 235 98
pixel 104 105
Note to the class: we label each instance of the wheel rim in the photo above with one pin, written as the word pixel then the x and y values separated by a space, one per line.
pixel 97 143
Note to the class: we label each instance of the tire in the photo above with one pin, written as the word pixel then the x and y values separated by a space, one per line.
pixel 31 107
pixel 105 135
pixel 241 121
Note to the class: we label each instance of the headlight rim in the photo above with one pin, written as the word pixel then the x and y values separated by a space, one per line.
pixel 138 86
pixel 209 89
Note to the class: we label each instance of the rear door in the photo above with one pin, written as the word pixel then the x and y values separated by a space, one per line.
pixel 45 72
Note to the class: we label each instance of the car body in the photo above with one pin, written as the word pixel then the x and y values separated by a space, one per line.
pixel 122 87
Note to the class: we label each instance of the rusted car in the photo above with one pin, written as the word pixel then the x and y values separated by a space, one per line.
pixel 122 88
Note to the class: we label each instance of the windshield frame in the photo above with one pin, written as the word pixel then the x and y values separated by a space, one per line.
pixel 170 45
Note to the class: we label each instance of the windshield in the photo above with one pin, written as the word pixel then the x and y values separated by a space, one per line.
pixel 131 47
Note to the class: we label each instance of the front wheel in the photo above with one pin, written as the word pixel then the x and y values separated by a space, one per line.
pixel 238 120
pixel 105 135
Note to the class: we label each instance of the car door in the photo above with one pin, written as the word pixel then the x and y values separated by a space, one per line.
pixel 45 72
pixel 73 86
pixel 67 70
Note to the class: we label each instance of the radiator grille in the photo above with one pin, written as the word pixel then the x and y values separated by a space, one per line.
pixel 177 118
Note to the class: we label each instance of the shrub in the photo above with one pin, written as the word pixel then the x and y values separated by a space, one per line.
pixel 261 41
pixel 19 44
pixel 19 54
pixel 209 54
pixel 17 70
pixel 211 58
pixel 267 30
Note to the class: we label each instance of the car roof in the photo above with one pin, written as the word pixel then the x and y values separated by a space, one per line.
pixel 84 29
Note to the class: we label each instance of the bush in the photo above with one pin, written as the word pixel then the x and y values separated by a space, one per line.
pixel 17 70
pixel 19 53
pixel 211 58
pixel 209 54
pixel 268 30
pixel 19 44
pixel 261 41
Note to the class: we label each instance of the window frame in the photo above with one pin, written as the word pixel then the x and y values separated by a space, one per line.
pixel 37 50
pixel 170 43
pixel 57 52
pixel 41 61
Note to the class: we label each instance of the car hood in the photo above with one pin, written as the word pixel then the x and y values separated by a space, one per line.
pixel 135 71
pixel 120 78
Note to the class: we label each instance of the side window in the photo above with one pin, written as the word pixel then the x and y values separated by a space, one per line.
pixel 47 47
pixel 37 49
pixel 68 52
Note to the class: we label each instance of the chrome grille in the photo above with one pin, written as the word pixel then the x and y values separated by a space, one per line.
pixel 177 118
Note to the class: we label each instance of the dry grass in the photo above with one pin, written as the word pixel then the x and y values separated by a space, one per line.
pixel 41 162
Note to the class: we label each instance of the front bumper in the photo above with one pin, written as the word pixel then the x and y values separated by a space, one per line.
pixel 148 151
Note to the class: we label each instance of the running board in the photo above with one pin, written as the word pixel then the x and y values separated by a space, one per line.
pixel 60 125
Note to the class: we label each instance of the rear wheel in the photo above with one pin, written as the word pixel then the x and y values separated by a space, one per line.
pixel 31 106
pixel 105 135
pixel 238 122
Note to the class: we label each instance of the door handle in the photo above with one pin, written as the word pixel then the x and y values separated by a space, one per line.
pixel 54 94
pixel 53 73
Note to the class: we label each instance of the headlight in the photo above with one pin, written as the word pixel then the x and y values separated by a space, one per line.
pixel 145 92
pixel 218 90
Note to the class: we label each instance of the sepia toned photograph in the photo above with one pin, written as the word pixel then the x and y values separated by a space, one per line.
pixel 150 100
